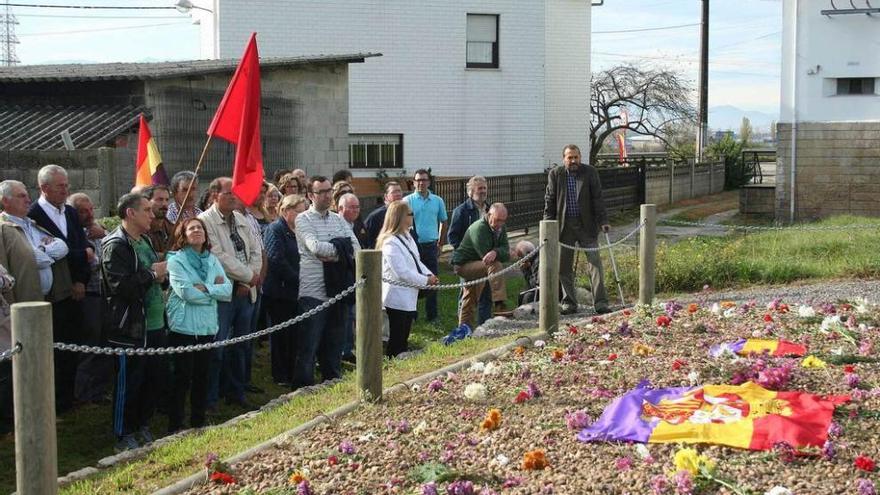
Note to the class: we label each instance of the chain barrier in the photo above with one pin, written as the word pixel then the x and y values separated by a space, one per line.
pixel 607 246
pixel 401 283
pixel 8 353
pixel 758 228
pixel 140 351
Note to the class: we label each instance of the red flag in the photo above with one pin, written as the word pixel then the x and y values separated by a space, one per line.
pixel 148 167
pixel 238 121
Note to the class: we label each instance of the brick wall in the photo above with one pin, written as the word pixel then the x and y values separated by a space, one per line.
pixel 837 171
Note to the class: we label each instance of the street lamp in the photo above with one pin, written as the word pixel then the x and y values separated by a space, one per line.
pixel 184 6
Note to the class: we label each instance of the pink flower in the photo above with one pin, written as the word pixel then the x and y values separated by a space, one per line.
pixel 577 420
pixel 624 463
pixel 684 485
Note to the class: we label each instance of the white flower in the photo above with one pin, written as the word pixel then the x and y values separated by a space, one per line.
pixel 589 326
pixel 502 460
pixel 716 309
pixel 830 323
pixel 420 428
pixel 863 305
pixel 728 313
pixel 477 367
pixel 475 392
pixel 540 344
pixel 366 437
pixel 693 377
pixel 805 311
pixel 642 451
pixel 607 337
pixel 778 490
pixel 415 387
pixel 758 333
pixel 837 351
pixel 491 368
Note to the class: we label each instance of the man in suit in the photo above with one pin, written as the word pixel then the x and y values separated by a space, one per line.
pixel 574 199
pixel 61 220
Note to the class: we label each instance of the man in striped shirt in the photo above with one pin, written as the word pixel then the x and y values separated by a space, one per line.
pixel 322 335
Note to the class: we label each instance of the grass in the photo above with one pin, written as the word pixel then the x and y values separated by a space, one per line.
pixel 85 436
pixel 774 257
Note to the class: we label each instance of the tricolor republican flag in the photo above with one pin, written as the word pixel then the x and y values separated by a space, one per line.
pixel 148 169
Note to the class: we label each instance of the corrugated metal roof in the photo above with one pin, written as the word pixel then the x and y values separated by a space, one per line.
pixel 158 70
pixel 40 127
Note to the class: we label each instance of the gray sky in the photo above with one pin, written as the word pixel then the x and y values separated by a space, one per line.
pixel 745 42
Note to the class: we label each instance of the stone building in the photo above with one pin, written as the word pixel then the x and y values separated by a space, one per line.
pixel 829 131
pixel 304 117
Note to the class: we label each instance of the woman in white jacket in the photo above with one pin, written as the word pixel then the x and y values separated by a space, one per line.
pixel 400 261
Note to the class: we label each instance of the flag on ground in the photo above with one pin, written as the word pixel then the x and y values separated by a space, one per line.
pixel 744 347
pixel 148 169
pixel 746 416
pixel 238 121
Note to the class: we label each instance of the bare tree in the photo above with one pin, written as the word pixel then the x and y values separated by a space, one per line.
pixel 653 98
pixel 745 131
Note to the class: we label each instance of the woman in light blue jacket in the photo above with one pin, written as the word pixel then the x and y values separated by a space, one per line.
pixel 197 283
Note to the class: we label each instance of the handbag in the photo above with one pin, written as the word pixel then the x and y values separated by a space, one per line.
pixel 422 292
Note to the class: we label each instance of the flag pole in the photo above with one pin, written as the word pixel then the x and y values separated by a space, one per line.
pixel 195 178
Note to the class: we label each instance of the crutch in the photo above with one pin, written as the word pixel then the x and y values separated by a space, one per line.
pixel 614 268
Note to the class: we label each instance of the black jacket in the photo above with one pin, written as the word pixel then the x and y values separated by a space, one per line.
pixel 125 283
pixel 80 271
pixel 463 216
pixel 339 275
pixel 282 253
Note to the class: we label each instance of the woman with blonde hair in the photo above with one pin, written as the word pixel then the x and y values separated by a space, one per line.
pixel 290 184
pixel 273 198
pixel 400 261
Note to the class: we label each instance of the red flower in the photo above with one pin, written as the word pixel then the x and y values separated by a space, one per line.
pixel 693 308
pixel 782 308
pixel 849 368
pixel 663 321
pixel 597 319
pixel 626 312
pixel 572 329
pixel 521 397
pixel 768 318
pixel 677 364
pixel 332 460
pixel 612 357
pixel 846 306
pixel 865 463
pixel 222 478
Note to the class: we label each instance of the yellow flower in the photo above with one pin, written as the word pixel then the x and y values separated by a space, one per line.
pixel 812 362
pixel 640 349
pixel 296 478
pixel 687 459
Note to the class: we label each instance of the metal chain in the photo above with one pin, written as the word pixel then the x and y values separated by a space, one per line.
pixel 755 228
pixel 141 351
pixel 401 283
pixel 8 353
pixel 607 246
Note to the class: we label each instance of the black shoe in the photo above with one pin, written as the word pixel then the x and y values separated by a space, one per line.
pixel 253 389
pixel 349 359
pixel 568 309
pixel 601 310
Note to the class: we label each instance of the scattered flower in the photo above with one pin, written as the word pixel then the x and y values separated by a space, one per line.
pixel 865 463
pixel 642 451
pixel 828 450
pixel 460 487
pixel 612 357
pixel 806 311
pixel 435 386
pixel 693 377
pixel 222 478
pixel 852 380
pixel 812 362
pixel 557 355
pixel 303 488
pixel 785 451
pixel 693 308
pixel 687 459
pixel 684 484
pixel 296 478
pixel 640 349
pixel 502 460
pixel 430 488
pixel 577 420
pixel 572 329
pixel 768 318
pixel 346 447
pixel 659 484
pixel 677 364
pixel 540 344
pixel 663 321
pixel 491 368
pixel 535 460
pixel 835 430
pixel 624 329
pixel 778 490
pixel 521 397
pixel 866 487
pixel 533 390
pixel 492 420
pixel 519 350
pixel 866 348
pixel 624 463
pixel 475 392
pixel 849 368
pixel 420 428
pixel 477 367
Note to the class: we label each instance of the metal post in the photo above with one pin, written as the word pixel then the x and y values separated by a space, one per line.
pixel 548 278
pixel 703 88
pixel 368 304
pixel 671 165
pixel 647 244
pixel 693 176
pixel 33 383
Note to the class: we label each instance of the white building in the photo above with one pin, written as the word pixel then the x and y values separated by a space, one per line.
pixel 494 87
pixel 831 98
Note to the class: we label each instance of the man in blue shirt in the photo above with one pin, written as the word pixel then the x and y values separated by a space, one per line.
pixel 429 216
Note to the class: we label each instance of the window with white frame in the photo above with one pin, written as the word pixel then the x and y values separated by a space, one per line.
pixel 375 151
pixel 482 41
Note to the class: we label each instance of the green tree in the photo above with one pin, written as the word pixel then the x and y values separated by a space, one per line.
pixel 745 131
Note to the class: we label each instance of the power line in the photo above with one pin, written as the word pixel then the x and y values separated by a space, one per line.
pixel 117 28
pixel 97 7
pixel 639 30
pixel 61 16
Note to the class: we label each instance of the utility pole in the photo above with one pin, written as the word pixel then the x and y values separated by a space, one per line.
pixel 8 40
pixel 703 90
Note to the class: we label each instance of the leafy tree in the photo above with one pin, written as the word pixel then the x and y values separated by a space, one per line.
pixel 745 131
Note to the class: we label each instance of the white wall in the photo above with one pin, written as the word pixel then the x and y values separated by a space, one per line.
pixel 827 48
pixel 458 121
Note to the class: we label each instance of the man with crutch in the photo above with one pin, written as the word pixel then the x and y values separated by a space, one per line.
pixel 574 199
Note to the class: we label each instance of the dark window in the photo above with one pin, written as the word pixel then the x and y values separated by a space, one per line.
pixel 376 151
pixel 482 41
pixel 855 86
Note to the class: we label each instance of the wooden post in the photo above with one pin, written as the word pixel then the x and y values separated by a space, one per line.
pixel 671 165
pixel 33 382
pixel 548 278
pixel 368 304
pixel 647 245
pixel 693 175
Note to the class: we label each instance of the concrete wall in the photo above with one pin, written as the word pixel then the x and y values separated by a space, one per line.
pixel 687 182
pixel 816 50
pixel 757 199
pixel 837 170
pixel 455 120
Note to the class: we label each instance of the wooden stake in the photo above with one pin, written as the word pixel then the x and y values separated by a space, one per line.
pixel 548 277
pixel 368 307
pixel 647 253
pixel 195 178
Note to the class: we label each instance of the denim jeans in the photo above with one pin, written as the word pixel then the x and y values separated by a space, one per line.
pixel 320 336
pixel 428 253
pixel 348 338
pixel 228 363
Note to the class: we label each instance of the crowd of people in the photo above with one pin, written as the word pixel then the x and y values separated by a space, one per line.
pixel 185 269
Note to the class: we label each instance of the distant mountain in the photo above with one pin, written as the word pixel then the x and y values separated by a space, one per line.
pixel 727 117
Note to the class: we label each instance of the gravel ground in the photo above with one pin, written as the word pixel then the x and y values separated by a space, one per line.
pixel 437 431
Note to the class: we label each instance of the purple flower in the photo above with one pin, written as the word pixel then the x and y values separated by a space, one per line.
pixel 852 380
pixel 424 456
pixel 436 385
pixel 835 430
pixel 828 450
pixel 866 348
pixel 512 482
pixel 857 395
pixel 659 484
pixel 447 456
pixel 577 420
pixel 671 308
pixel 429 488
pixel 866 487
pixel 346 447
pixel 533 390
pixel 401 426
pixel 624 463
pixel 624 329
pixel 303 488
pixel 784 451
pixel 526 373
pixel 828 309
pixel 684 485
pixel 210 459
pixel 460 487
